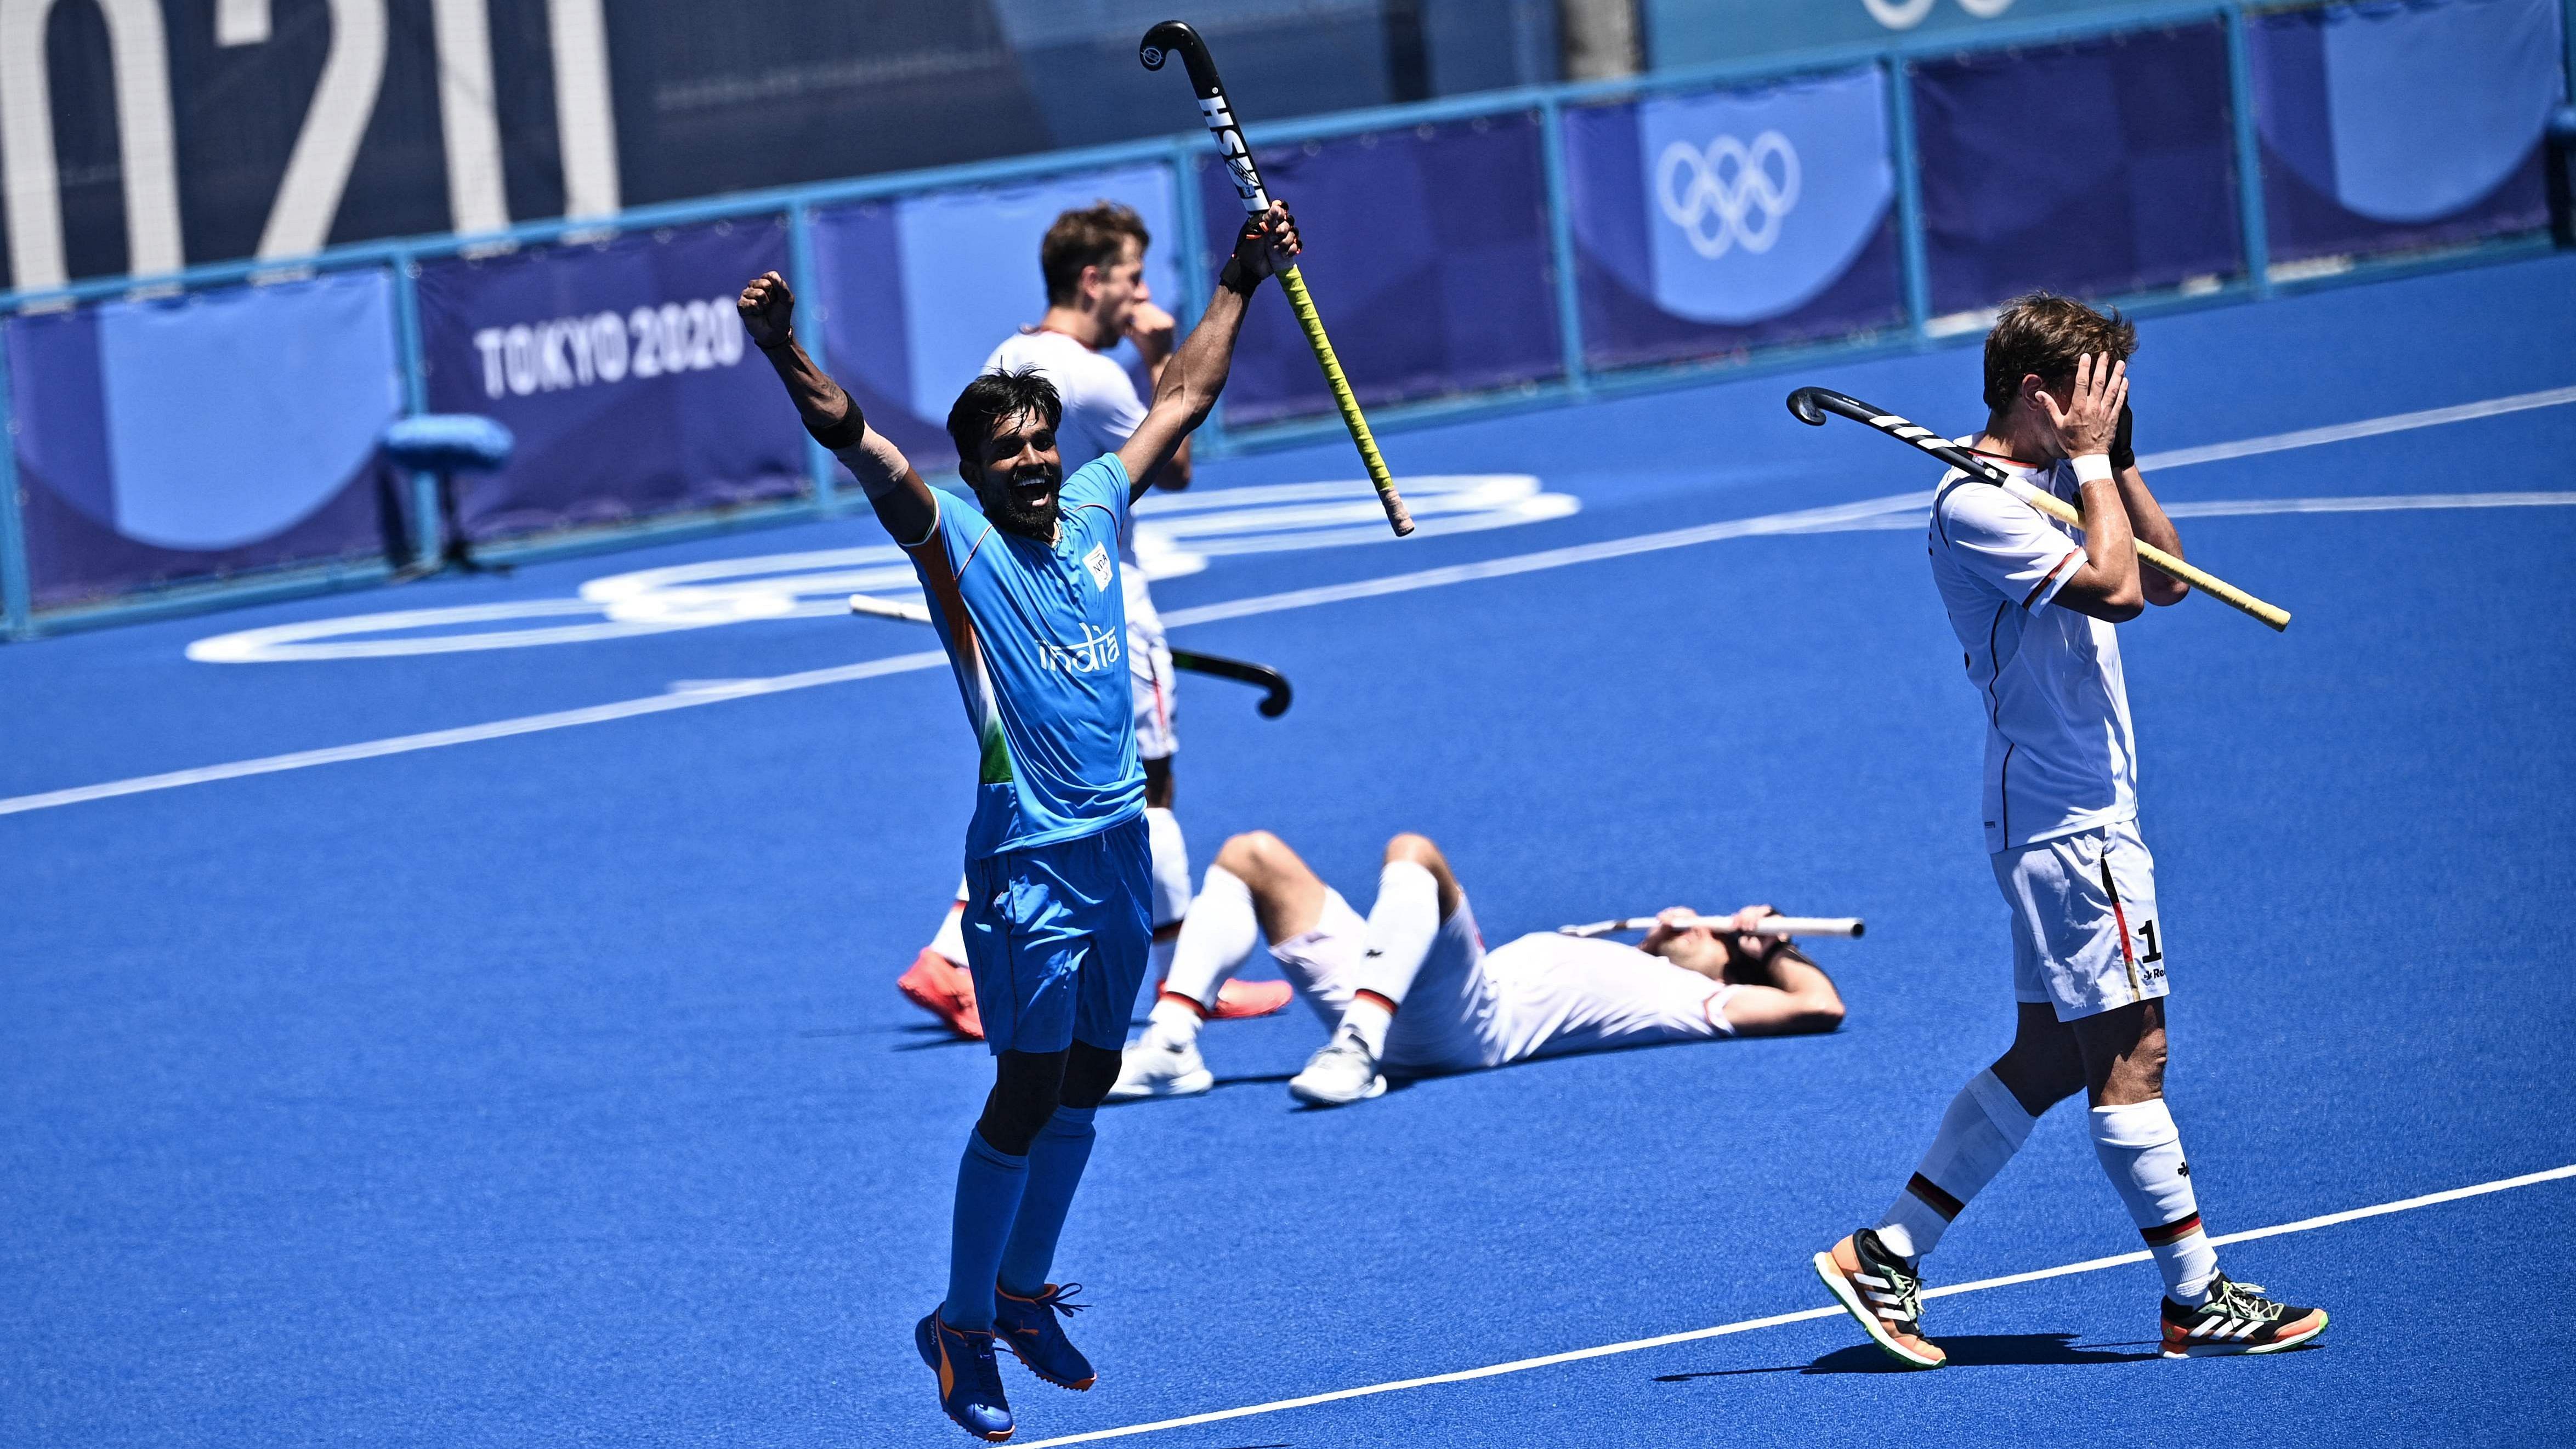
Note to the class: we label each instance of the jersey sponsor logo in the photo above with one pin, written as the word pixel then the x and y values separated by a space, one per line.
pixel 1102 571
pixel 1729 194
pixel 1098 650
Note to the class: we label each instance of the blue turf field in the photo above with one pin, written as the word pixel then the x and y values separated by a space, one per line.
pixel 550 1089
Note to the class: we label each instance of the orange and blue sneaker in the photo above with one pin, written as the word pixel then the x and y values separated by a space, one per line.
pixel 2237 1319
pixel 1028 1328
pixel 970 1379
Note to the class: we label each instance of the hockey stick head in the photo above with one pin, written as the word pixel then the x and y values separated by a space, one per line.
pixel 1175 37
pixel 1810 404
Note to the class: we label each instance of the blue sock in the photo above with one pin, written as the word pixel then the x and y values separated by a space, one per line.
pixel 989 1185
pixel 1055 1169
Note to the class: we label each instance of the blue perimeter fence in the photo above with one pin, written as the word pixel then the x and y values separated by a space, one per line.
pixel 214 436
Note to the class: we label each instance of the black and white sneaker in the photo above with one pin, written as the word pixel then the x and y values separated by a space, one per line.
pixel 2237 1319
pixel 1877 1288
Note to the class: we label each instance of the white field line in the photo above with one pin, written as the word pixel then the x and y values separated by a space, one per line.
pixel 1868 514
pixel 1776 1320
pixel 2366 428
pixel 706 693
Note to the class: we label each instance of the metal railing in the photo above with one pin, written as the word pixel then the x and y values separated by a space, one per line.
pixel 1181 152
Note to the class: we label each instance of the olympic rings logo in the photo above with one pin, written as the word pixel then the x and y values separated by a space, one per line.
pixel 1735 195
pixel 1906 14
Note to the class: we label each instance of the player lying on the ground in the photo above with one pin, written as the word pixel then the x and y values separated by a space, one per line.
pixel 1093 259
pixel 1412 990
pixel 2033 606
pixel 1024 592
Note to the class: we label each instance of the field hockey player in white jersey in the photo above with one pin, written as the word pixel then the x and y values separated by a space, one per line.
pixel 1410 990
pixel 2034 604
pixel 1093 259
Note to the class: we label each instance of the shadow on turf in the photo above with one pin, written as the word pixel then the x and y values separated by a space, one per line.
pixel 1975 1350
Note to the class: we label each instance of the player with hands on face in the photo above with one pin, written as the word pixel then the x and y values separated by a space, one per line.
pixel 2034 606
pixel 1025 595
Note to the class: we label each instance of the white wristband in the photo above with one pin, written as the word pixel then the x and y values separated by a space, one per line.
pixel 2092 468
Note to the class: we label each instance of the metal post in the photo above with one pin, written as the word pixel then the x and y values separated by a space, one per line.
pixel 1560 242
pixel 801 276
pixel 17 614
pixel 1909 196
pixel 415 368
pixel 2249 156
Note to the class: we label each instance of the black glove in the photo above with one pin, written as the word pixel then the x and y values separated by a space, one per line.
pixel 2123 456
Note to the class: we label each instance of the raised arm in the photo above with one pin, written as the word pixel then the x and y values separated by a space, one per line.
pixel 1190 382
pixel 903 502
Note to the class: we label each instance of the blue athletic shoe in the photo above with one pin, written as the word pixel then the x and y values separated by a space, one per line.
pixel 970 1380
pixel 1028 1327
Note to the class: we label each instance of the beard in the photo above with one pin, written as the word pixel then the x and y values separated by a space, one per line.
pixel 1011 508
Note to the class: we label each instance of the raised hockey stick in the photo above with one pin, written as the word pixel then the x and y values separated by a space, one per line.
pixel 1275 693
pixel 1174 37
pixel 1810 404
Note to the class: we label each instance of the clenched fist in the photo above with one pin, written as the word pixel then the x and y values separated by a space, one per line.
pixel 767 307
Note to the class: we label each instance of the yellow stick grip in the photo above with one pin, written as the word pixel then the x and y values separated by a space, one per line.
pixel 1304 306
pixel 2165 563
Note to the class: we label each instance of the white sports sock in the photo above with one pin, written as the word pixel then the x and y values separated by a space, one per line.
pixel 950 939
pixel 1217 936
pixel 1171 866
pixel 2141 1152
pixel 1401 927
pixel 1368 1019
pixel 1982 1130
pixel 1171 875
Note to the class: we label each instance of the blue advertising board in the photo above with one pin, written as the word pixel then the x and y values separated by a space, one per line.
pixel 622 369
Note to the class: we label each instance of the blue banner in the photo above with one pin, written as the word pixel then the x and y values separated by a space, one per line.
pixel 915 293
pixel 192 437
pixel 2128 185
pixel 192 131
pixel 1710 222
pixel 622 369
pixel 2387 126
pixel 1427 254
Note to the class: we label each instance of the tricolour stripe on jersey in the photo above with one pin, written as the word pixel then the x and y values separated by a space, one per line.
pixel 939 584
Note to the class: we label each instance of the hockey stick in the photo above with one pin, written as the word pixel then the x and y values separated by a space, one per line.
pixel 1810 404
pixel 1768 926
pixel 1173 36
pixel 1275 693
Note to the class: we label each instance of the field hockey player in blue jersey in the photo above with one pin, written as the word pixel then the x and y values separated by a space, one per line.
pixel 1026 595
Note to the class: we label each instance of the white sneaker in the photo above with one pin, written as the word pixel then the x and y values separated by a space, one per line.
pixel 1342 1072
pixel 1157 1067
